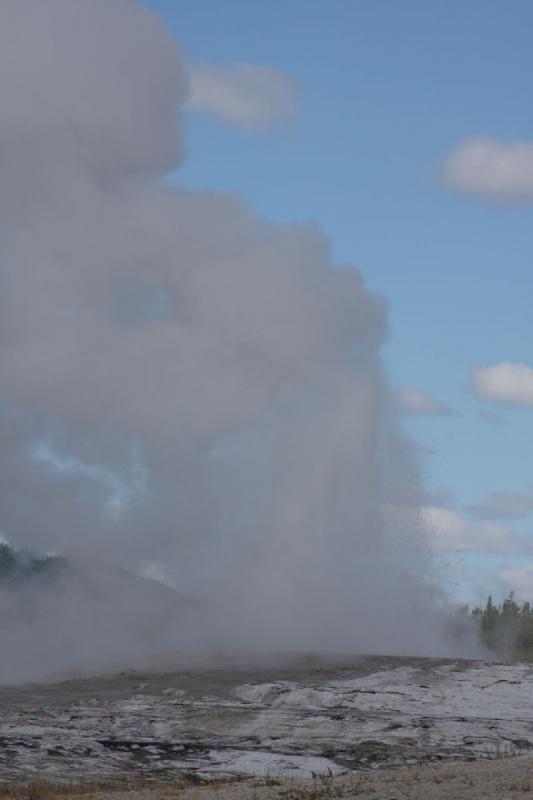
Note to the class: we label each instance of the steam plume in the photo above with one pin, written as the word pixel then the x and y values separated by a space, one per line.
pixel 187 391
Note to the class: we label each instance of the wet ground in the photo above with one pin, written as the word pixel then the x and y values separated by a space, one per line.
pixel 293 718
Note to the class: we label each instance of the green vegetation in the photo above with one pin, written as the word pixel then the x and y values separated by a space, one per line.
pixel 506 629
pixel 19 565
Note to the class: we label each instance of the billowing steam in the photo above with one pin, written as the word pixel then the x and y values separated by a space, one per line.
pixel 189 393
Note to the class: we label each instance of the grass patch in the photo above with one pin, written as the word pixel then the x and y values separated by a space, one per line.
pixel 40 789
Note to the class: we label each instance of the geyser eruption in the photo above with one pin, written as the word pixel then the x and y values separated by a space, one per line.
pixel 188 392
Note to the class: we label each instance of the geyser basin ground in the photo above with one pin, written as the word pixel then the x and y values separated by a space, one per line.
pixel 293 719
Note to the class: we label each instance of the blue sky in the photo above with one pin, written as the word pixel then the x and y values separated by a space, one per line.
pixel 387 91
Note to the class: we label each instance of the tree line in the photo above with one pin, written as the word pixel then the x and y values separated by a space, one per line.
pixel 506 629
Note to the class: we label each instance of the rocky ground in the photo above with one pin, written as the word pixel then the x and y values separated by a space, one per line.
pixel 306 719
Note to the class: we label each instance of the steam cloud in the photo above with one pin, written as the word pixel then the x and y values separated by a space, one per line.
pixel 252 98
pixel 188 392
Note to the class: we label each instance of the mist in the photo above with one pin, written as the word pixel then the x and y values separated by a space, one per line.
pixel 194 412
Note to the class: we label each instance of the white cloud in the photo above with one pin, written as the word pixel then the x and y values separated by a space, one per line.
pixel 448 530
pixel 250 97
pixel 505 383
pixel 498 171
pixel 520 580
pixel 503 505
pixel 420 404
